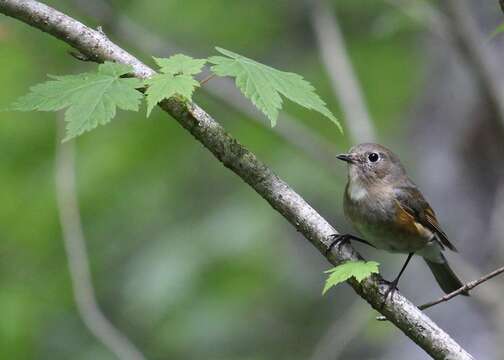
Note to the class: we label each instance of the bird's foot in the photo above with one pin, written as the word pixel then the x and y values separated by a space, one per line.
pixel 391 289
pixel 337 240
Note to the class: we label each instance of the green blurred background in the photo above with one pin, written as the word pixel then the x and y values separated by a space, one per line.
pixel 186 259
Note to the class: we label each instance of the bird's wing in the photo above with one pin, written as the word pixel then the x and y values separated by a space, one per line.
pixel 411 200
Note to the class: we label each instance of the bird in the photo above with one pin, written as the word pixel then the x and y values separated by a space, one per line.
pixel 389 212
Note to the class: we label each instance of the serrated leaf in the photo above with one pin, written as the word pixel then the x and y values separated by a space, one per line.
pixel 263 85
pixel 164 86
pixel 175 79
pixel 180 64
pixel 91 98
pixel 358 269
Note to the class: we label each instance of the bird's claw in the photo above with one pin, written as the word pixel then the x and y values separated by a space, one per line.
pixel 392 288
pixel 337 239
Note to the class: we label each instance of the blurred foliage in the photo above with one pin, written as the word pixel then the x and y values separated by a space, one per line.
pixel 186 259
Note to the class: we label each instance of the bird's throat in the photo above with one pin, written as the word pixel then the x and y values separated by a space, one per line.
pixel 357 191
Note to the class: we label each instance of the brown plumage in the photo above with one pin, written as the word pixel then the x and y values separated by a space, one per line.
pixel 413 202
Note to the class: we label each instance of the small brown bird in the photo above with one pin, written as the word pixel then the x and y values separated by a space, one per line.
pixel 390 213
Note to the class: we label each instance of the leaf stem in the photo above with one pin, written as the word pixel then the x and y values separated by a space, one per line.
pixel 207 79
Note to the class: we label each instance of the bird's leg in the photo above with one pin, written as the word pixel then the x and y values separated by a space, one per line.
pixel 393 285
pixel 338 239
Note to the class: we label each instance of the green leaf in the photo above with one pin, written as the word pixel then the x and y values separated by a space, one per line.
pixel 180 64
pixel 358 269
pixel 164 86
pixel 175 78
pixel 497 31
pixel 91 98
pixel 263 85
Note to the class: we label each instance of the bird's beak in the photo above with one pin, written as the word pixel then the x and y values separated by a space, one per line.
pixel 346 157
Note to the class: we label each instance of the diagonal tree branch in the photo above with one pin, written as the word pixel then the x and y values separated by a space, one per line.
pixel 245 164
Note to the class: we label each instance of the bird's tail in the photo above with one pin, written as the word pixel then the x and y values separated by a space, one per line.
pixel 445 276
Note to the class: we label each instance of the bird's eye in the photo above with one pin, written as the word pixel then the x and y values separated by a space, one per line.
pixel 373 157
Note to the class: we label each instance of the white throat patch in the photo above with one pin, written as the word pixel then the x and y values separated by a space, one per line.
pixel 356 191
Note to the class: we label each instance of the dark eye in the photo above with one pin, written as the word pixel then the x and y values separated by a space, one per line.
pixel 373 157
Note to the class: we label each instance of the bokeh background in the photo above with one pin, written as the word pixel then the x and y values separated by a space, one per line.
pixel 186 260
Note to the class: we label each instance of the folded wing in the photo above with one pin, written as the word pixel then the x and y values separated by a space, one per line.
pixel 412 201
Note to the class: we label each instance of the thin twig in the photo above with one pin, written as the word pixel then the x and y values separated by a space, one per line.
pixel 496 230
pixel 468 286
pixel 401 312
pixel 207 79
pixel 78 263
pixel 81 57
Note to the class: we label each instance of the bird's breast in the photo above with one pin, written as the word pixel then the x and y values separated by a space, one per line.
pixel 366 205
pixel 374 214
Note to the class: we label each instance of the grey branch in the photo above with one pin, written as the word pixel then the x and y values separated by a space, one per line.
pixel 78 264
pixel 401 312
pixel 468 286
pixel 343 79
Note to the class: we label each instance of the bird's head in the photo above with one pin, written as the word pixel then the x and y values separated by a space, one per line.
pixel 370 163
